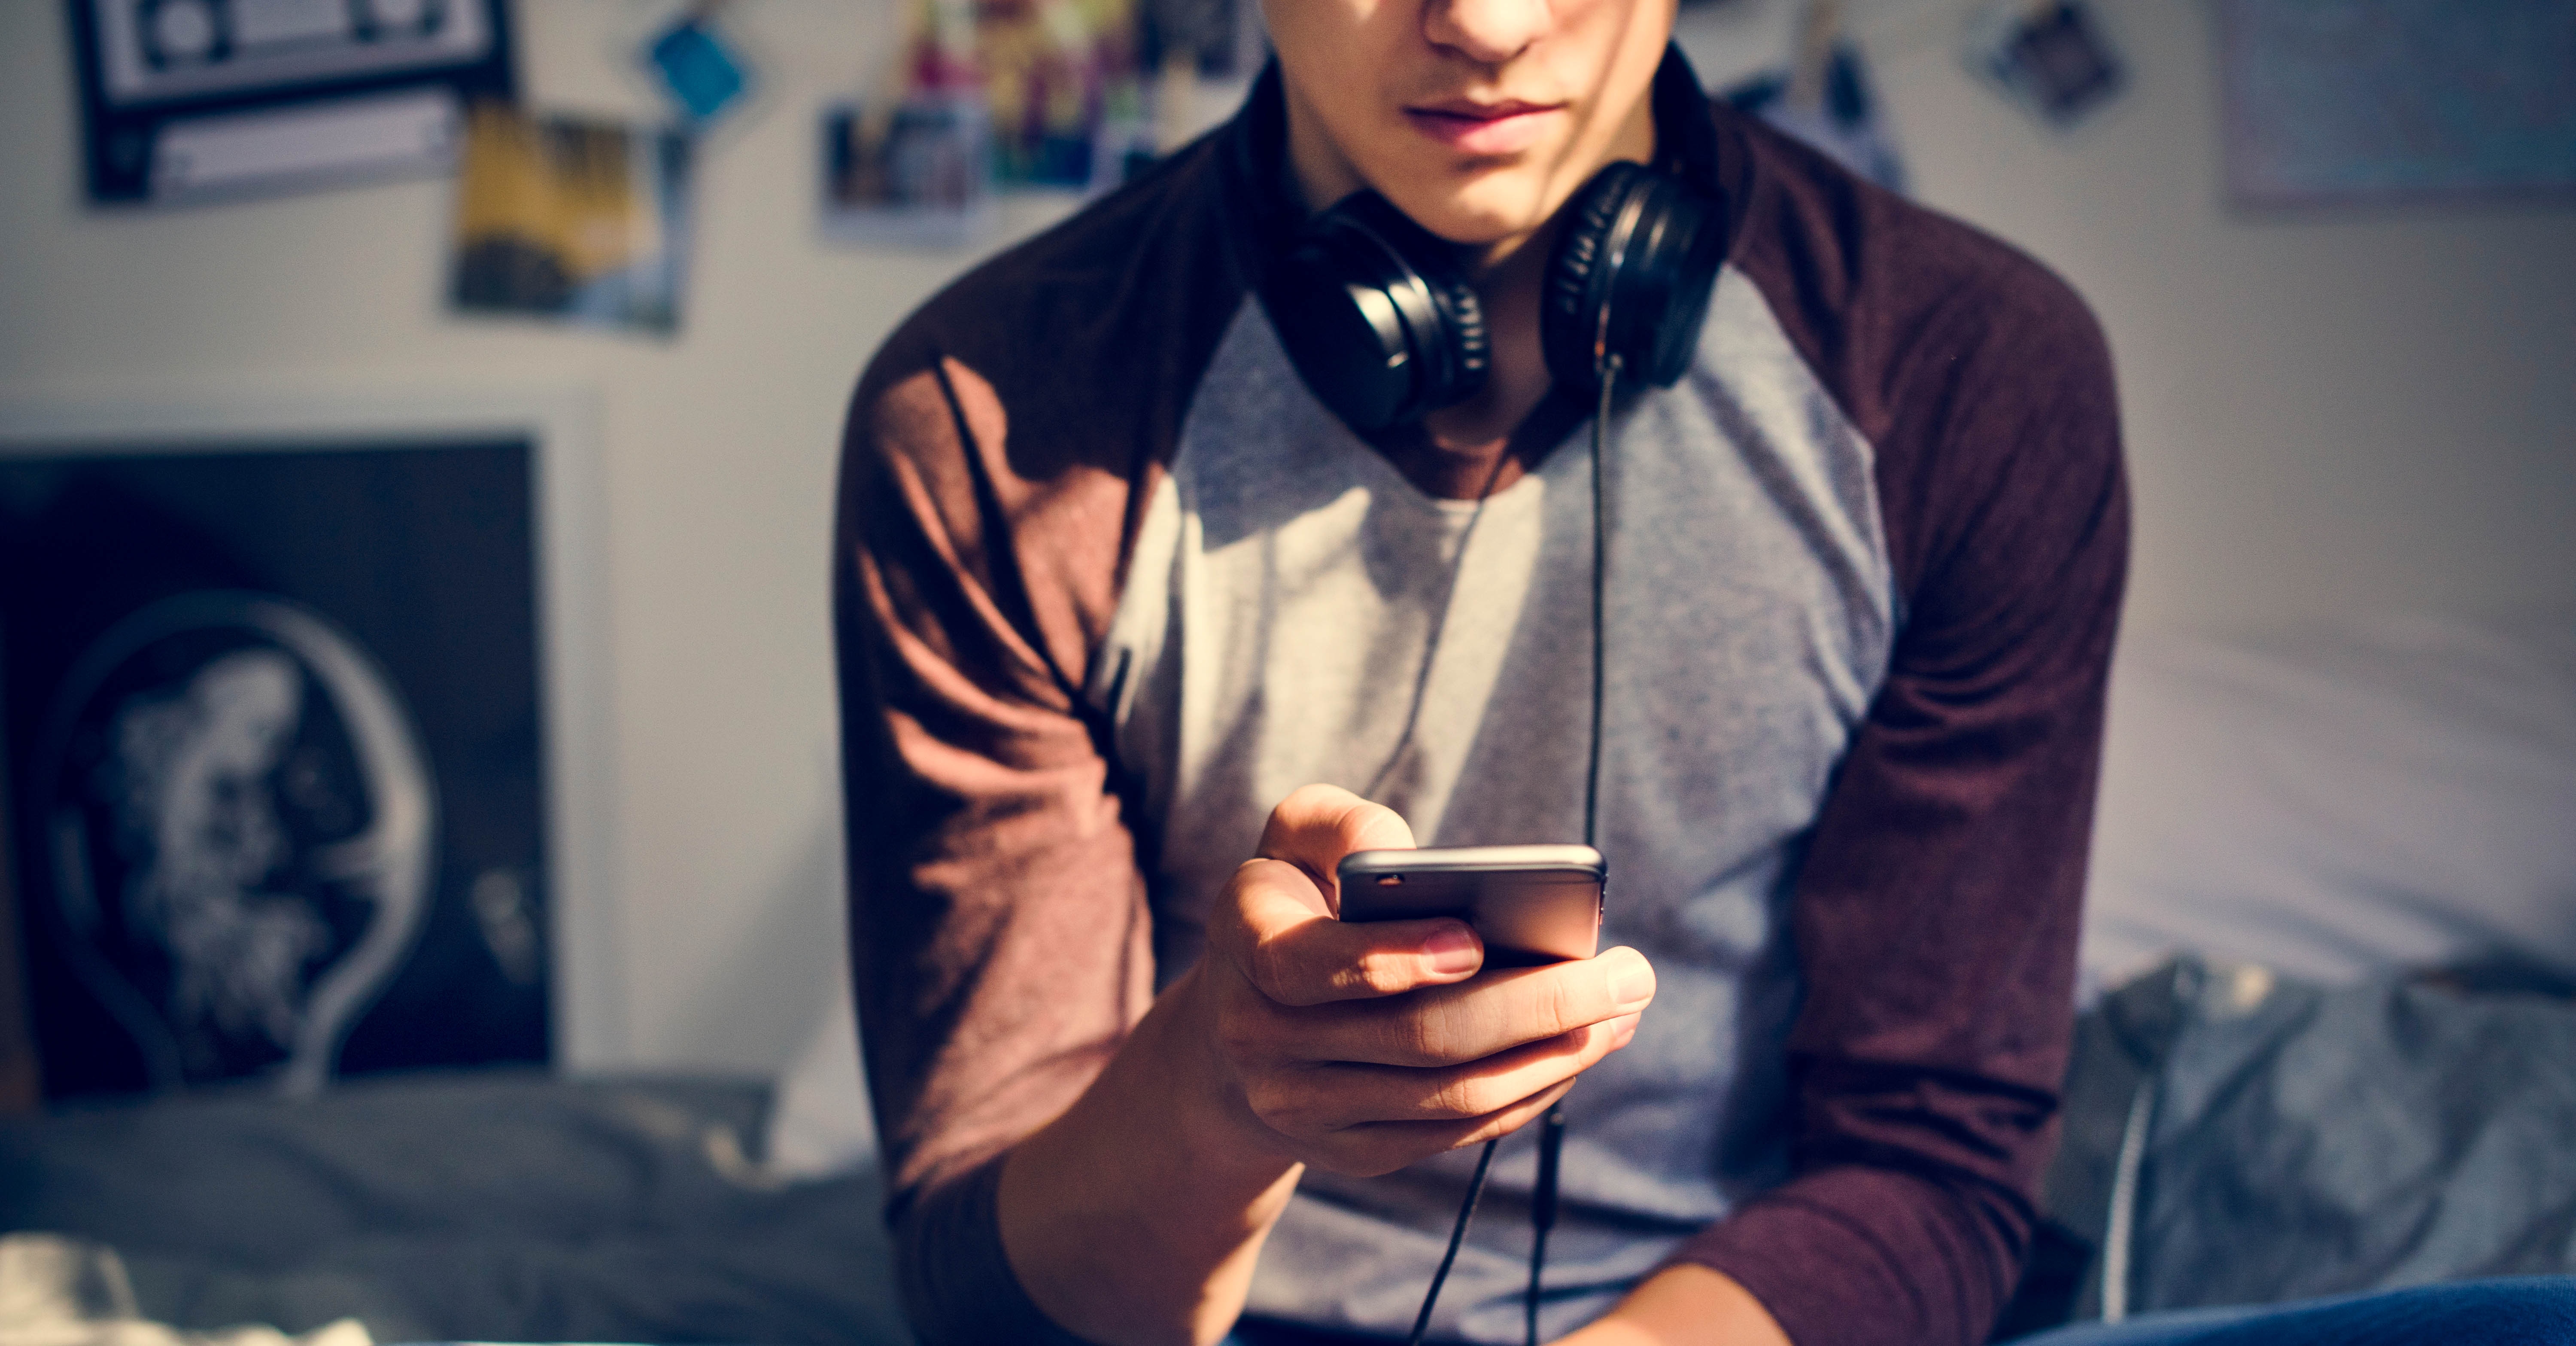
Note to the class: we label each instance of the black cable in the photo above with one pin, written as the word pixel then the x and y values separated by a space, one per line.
pixel 1551 1142
pixel 1422 685
pixel 1600 590
pixel 1551 1135
pixel 1457 1235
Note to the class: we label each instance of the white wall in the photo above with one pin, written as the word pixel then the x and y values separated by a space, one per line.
pixel 2326 415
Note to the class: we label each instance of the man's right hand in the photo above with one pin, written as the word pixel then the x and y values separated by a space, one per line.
pixel 1361 1048
pixel 1137 1215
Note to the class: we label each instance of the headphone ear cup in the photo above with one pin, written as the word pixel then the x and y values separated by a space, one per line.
pixel 1577 298
pixel 1377 315
pixel 1463 320
pixel 1630 276
pixel 1453 340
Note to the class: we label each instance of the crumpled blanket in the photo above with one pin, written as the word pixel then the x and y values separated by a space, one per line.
pixel 2237 1137
pixel 465 1206
pixel 57 1291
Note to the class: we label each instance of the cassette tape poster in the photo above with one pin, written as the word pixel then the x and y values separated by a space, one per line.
pixel 187 100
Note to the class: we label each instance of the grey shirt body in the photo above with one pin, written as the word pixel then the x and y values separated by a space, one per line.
pixel 1284 596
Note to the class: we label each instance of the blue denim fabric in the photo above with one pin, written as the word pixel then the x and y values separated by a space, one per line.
pixel 2516 1311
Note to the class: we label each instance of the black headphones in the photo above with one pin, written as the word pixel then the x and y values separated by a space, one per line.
pixel 1378 316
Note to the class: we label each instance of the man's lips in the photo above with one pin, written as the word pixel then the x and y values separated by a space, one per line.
pixel 1489 128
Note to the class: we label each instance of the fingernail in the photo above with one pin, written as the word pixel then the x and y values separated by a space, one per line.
pixel 1627 1031
pixel 1632 985
pixel 1451 949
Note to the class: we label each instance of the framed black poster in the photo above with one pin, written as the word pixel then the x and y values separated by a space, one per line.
pixel 190 99
pixel 274 747
pixel 280 771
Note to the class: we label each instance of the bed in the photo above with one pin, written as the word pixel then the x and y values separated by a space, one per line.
pixel 2326 1045
pixel 481 1205
pixel 2328 950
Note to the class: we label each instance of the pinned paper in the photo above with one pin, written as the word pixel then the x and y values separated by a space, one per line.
pixel 572 219
pixel 196 100
pixel 1824 99
pixel 702 70
pixel 2388 100
pixel 1062 80
pixel 914 171
pixel 2050 56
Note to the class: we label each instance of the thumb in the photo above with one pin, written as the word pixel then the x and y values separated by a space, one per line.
pixel 1317 825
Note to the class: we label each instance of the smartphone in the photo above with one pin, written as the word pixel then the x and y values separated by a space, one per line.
pixel 1530 904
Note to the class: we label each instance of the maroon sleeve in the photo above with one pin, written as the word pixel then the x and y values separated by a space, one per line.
pixel 998 925
pixel 999 929
pixel 1936 916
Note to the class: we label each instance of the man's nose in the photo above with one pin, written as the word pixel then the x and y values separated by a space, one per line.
pixel 1488 32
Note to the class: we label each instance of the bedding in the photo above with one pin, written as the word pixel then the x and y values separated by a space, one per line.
pixel 821 1124
pixel 57 1291
pixel 2312 820
pixel 2233 1136
pixel 2339 801
pixel 469 1206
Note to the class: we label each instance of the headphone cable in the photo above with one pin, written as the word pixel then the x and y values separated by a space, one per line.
pixel 1457 1235
pixel 1610 368
pixel 1439 628
pixel 1551 1135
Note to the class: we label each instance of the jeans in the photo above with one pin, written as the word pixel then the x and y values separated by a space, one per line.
pixel 2519 1311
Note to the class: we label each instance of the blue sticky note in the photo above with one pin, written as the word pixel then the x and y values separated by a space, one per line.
pixel 698 68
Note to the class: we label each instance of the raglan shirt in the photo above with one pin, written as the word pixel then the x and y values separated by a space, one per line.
pixel 1109 582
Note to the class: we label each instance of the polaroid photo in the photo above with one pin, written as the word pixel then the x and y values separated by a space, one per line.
pixel 915 172
pixel 581 221
pixel 2050 56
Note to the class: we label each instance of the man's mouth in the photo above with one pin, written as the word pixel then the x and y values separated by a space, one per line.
pixel 1505 127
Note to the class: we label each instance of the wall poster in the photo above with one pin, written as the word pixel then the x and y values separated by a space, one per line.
pixel 275 779
pixel 574 219
pixel 2331 101
pixel 189 99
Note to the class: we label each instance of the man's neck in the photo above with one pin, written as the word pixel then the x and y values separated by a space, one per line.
pixel 1509 287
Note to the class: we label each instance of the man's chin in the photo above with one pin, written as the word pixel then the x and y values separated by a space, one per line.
pixel 1478 211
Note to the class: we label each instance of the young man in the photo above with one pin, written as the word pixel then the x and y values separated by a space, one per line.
pixel 1112 585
